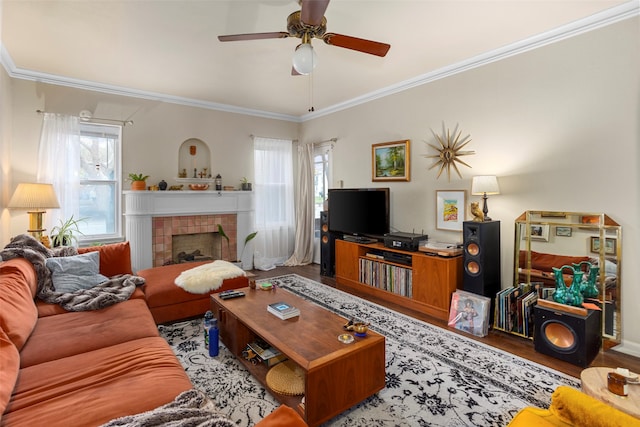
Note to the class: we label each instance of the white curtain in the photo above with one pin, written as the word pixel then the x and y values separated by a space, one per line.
pixel 274 216
pixel 59 164
pixel 303 250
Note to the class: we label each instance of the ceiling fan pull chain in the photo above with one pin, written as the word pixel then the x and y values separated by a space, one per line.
pixel 311 109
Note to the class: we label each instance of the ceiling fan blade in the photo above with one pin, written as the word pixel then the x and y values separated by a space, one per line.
pixel 312 11
pixel 354 43
pixel 253 36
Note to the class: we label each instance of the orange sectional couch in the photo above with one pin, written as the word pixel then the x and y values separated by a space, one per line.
pixel 60 368
pixel 169 302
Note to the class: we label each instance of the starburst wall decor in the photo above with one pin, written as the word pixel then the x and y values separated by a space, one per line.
pixel 449 151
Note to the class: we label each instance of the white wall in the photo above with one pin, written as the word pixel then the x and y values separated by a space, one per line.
pixel 558 125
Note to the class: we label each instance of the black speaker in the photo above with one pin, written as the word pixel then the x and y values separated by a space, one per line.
pixel 570 337
pixel 481 257
pixel 327 247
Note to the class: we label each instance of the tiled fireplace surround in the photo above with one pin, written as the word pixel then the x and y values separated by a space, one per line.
pixel 164 228
pixel 152 216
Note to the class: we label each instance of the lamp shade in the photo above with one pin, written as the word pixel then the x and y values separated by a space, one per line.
pixel 34 196
pixel 304 58
pixel 484 184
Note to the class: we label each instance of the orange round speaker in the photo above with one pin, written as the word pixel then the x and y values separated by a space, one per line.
pixel 325 228
pixel 560 335
pixel 325 239
pixel 472 267
pixel 473 249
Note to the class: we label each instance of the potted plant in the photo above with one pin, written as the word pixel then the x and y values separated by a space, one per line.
pixel 246 240
pixel 138 181
pixel 245 185
pixel 65 233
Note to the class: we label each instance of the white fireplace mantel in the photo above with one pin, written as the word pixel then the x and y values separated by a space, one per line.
pixel 142 206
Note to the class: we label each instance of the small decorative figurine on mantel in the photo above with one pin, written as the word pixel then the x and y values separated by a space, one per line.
pixel 477 213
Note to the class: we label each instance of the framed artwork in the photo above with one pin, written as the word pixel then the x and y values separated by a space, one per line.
pixel 563 231
pixel 538 232
pixel 450 209
pixel 469 313
pixel 390 161
pixel 609 245
pixel 590 219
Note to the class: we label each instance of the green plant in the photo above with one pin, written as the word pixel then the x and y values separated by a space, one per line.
pixel 137 177
pixel 65 233
pixel 224 235
pixel 246 240
pixel 244 180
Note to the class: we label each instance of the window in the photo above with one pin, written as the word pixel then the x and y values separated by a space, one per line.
pixel 100 182
pixel 274 211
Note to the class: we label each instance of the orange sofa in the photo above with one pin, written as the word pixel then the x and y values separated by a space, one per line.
pixel 169 302
pixel 60 368
pixel 571 407
pixel 542 267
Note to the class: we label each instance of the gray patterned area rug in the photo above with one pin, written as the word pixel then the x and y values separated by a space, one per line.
pixel 433 377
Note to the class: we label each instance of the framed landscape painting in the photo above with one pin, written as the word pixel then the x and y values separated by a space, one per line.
pixel 450 209
pixel 390 161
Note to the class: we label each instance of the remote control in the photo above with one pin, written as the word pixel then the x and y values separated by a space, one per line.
pixel 231 294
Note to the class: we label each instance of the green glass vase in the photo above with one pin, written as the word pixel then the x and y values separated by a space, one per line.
pixel 588 287
pixel 569 295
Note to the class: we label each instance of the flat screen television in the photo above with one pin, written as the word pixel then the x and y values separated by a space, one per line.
pixel 359 212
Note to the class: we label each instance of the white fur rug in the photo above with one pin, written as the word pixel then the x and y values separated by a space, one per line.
pixel 208 277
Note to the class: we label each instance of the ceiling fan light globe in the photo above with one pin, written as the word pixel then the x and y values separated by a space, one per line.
pixel 304 59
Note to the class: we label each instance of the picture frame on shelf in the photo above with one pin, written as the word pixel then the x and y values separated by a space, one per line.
pixel 563 231
pixel 391 161
pixel 451 209
pixel 609 245
pixel 537 232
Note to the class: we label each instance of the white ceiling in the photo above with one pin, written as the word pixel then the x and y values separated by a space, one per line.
pixel 169 49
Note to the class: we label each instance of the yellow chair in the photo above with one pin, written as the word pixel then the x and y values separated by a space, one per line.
pixel 571 407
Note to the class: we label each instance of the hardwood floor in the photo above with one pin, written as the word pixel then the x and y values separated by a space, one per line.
pixel 510 343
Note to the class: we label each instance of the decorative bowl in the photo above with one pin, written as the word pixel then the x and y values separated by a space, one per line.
pixel 198 187
pixel 360 328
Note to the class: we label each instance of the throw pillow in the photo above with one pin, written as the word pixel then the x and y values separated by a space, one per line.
pixel 115 258
pixel 73 273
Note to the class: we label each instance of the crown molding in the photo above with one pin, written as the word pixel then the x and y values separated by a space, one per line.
pixel 20 73
pixel 598 20
pixel 607 17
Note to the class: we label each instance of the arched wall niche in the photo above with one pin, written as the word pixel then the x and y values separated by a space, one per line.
pixel 194 159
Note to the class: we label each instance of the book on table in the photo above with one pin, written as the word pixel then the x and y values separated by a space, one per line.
pixel 283 310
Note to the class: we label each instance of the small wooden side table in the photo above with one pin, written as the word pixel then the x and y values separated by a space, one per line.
pixel 594 383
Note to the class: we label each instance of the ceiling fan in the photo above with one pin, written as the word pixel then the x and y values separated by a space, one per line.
pixel 308 23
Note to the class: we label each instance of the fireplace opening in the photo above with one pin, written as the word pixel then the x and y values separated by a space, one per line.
pixel 195 247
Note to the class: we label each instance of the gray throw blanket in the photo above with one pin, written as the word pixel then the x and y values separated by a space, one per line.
pixel 117 289
pixel 191 408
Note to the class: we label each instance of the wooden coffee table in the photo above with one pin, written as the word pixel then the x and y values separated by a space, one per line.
pixel 337 375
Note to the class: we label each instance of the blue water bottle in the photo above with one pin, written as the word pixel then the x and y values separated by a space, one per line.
pixel 213 338
pixel 208 316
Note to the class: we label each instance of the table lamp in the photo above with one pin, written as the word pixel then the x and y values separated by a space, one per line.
pixel 484 185
pixel 35 198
